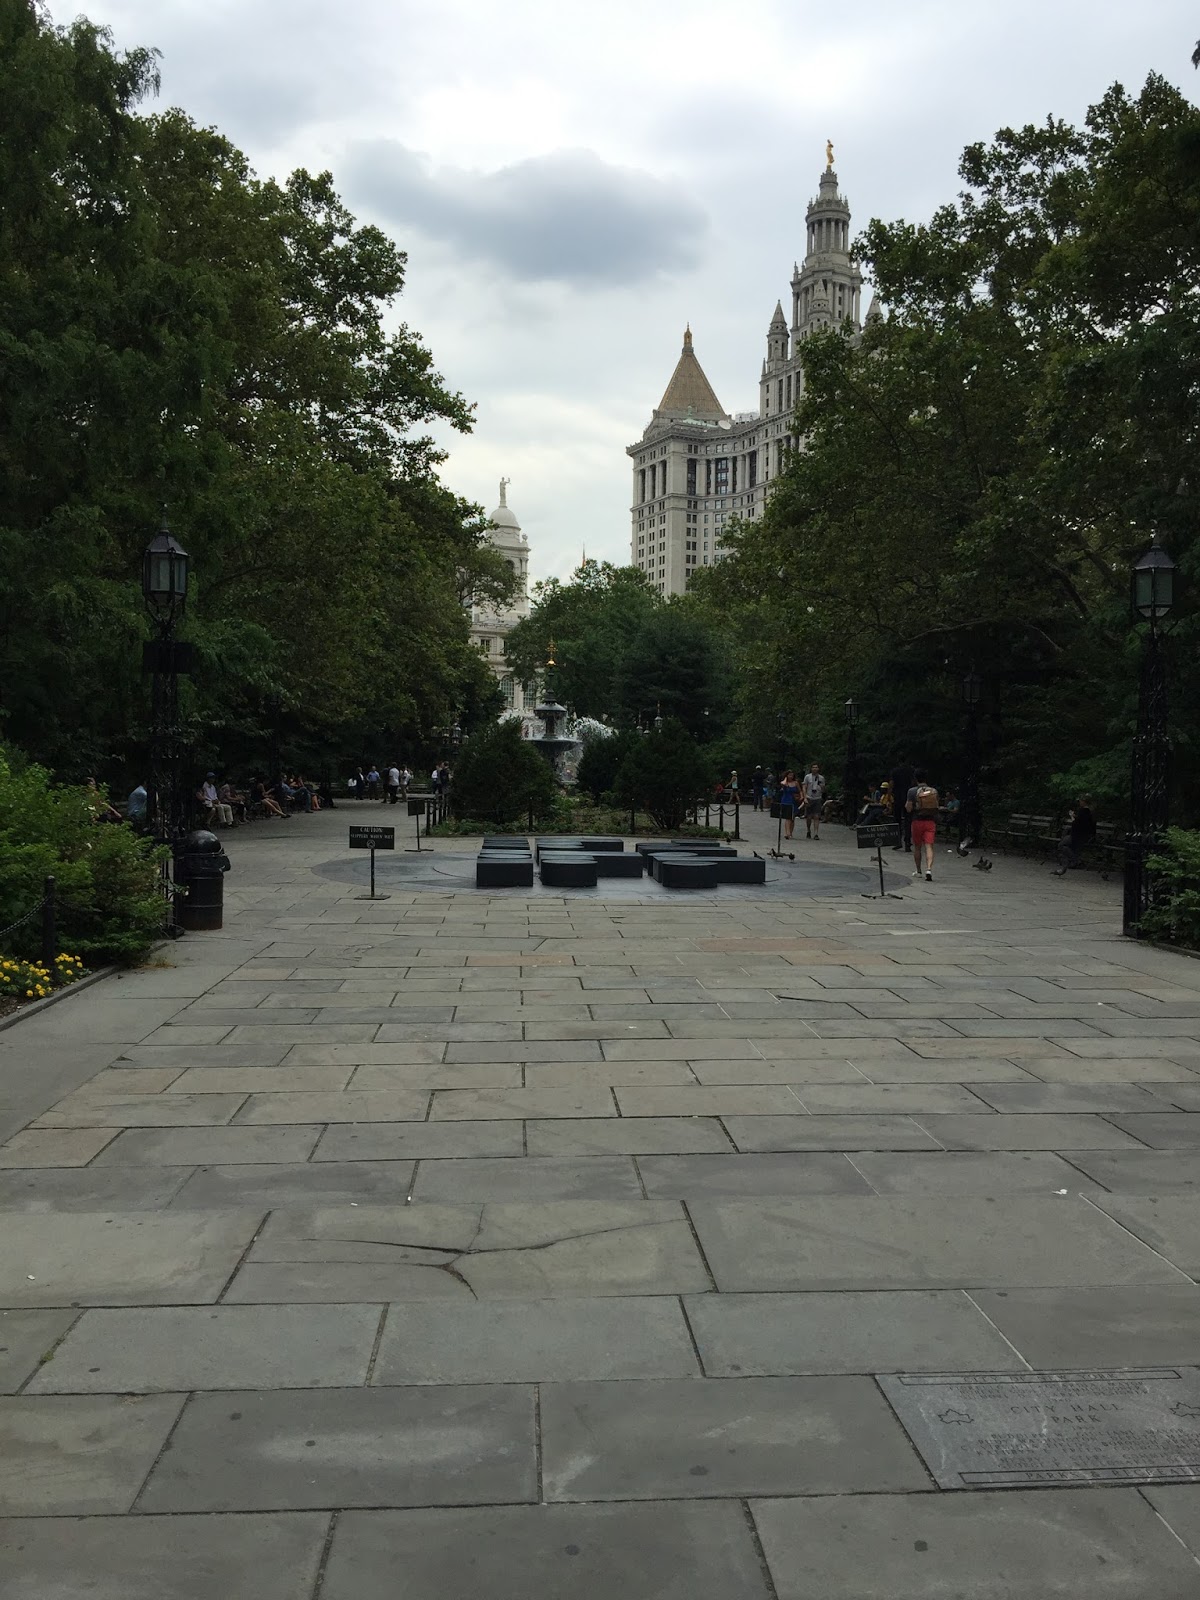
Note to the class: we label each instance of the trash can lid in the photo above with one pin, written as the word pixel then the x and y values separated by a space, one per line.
pixel 202 842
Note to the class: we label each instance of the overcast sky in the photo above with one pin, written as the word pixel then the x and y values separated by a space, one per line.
pixel 573 183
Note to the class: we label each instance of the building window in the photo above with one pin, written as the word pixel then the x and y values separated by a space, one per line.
pixel 691 477
pixel 752 469
pixel 485 646
pixel 641 486
pixel 507 688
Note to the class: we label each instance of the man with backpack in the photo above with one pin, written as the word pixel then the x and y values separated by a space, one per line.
pixel 922 809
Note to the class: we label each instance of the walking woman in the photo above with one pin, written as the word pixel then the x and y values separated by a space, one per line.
pixel 789 796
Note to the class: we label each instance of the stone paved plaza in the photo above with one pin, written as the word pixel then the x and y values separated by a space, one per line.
pixel 470 1247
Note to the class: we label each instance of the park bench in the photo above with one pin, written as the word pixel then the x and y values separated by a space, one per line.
pixel 1107 849
pixel 1024 831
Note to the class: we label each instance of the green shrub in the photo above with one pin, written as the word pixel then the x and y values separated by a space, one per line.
pixel 664 772
pixel 499 777
pixel 1175 912
pixel 106 877
pixel 601 761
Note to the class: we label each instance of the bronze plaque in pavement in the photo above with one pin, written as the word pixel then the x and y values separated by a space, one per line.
pixel 994 1430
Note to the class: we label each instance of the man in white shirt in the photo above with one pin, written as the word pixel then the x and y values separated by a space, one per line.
pixel 814 799
pixel 405 781
pixel 217 810
pixel 393 783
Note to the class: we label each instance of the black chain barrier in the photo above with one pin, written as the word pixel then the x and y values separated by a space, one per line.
pixel 47 908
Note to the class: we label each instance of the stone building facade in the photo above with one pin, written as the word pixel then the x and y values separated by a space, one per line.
pixel 489 628
pixel 697 467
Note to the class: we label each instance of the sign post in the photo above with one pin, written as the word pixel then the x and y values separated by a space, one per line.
pixel 372 839
pixel 873 836
pixel 416 808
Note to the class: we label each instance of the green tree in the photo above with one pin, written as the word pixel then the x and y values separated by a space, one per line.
pixel 601 761
pixel 592 620
pixel 173 328
pixel 982 467
pixel 500 777
pixel 663 773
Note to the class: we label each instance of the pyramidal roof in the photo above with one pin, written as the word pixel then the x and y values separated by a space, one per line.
pixel 689 392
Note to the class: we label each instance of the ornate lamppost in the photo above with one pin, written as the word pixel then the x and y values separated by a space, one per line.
pixel 850 772
pixel 165 566
pixel 1152 598
pixel 970 808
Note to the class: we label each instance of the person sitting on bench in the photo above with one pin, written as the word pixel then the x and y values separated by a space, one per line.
pixel 1079 832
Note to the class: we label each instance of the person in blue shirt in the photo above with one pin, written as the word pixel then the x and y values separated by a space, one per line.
pixel 137 805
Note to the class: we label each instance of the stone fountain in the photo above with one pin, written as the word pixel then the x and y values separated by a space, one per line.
pixel 551 742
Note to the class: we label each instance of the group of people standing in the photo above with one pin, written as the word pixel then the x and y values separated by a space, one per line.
pixel 394 783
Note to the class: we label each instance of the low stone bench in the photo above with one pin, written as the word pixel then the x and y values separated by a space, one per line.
pixel 742 869
pixel 505 841
pixel 504 869
pixel 568 869
pixel 694 847
pixel 555 846
pixel 675 872
pixel 616 864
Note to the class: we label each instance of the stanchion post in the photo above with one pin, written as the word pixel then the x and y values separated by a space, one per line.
pixel 737 818
pixel 372 872
pixel 49 930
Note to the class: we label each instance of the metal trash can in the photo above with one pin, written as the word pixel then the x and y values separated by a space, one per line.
pixel 200 868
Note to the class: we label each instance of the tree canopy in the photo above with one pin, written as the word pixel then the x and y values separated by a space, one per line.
pixel 983 466
pixel 175 329
pixel 622 651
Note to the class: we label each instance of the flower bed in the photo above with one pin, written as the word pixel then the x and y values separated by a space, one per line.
pixel 24 981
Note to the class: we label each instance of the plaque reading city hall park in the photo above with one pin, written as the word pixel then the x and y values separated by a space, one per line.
pixel 992 1430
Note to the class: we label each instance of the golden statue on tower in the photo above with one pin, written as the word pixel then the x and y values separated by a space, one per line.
pixel 829 155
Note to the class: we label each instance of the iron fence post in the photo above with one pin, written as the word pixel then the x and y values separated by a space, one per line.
pixel 49 928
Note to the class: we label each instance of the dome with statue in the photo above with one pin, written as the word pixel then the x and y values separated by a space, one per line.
pixel 490 625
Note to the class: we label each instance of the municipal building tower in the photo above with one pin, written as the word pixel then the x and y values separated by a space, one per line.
pixel 697 466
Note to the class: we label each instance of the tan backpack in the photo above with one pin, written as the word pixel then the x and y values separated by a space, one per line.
pixel 927 801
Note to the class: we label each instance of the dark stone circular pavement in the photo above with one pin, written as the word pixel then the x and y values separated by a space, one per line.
pixel 440 871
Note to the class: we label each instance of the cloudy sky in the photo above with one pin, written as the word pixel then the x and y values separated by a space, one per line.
pixel 575 182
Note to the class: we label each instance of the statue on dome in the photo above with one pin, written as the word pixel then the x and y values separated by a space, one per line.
pixel 829 155
pixel 504 483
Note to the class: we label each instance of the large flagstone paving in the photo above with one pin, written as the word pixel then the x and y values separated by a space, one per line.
pixel 477 1238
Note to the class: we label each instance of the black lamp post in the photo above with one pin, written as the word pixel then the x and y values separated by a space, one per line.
pixel 850 773
pixel 164 589
pixel 970 808
pixel 1152 598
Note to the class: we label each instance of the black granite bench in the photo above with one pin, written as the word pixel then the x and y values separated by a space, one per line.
pixel 616 864
pixel 558 846
pixel 568 869
pixel 503 869
pixel 695 847
pixel 505 841
pixel 742 869
pixel 675 872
